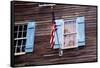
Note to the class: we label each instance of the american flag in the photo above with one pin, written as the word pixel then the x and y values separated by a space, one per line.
pixel 53 30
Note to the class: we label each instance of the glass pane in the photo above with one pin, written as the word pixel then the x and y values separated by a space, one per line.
pixel 24 41
pixel 18 49
pixel 19 42
pixel 20 34
pixel 23 48
pixel 25 27
pixel 24 34
pixel 20 28
pixel 69 27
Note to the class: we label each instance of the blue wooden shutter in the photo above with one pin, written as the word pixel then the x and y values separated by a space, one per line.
pixel 81 30
pixel 30 37
pixel 59 33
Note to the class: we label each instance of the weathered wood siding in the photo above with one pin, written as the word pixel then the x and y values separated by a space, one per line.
pixel 25 11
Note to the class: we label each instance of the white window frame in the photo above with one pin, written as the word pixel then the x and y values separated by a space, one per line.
pixel 68 34
pixel 15 46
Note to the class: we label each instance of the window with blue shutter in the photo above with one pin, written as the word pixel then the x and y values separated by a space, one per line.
pixel 81 30
pixel 30 37
pixel 59 38
pixel 24 37
pixel 68 31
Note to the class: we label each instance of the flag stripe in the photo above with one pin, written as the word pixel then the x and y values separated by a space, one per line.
pixel 53 29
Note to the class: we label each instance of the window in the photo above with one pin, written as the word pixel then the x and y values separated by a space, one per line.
pixel 24 37
pixel 71 33
pixel 20 32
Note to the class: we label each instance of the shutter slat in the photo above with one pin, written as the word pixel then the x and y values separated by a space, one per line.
pixel 30 37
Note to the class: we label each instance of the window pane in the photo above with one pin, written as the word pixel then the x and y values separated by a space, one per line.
pixel 25 27
pixel 20 34
pixel 23 48
pixel 18 49
pixel 20 28
pixel 24 41
pixel 24 34
pixel 19 42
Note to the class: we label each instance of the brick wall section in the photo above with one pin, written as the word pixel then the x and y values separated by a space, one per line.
pixel 27 11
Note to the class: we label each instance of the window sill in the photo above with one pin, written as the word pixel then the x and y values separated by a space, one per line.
pixel 68 47
pixel 21 53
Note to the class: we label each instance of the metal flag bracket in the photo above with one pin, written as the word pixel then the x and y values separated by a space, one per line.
pixel 60 52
